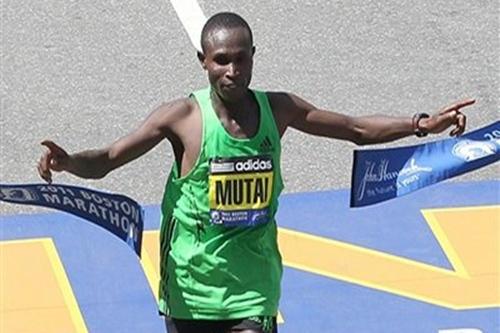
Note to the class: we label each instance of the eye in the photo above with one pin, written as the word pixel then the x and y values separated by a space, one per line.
pixel 221 59
pixel 242 58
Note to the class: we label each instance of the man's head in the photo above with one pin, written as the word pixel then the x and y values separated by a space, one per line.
pixel 227 56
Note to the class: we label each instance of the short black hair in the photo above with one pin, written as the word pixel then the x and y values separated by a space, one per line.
pixel 226 20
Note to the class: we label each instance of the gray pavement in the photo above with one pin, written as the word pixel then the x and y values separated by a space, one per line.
pixel 85 73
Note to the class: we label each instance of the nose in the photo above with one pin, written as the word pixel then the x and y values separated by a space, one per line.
pixel 232 70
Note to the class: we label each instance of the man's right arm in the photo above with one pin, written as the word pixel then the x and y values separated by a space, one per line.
pixel 96 163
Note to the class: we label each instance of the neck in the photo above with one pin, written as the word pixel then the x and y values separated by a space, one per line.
pixel 231 108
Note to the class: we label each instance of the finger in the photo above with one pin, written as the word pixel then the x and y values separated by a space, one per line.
pixel 456 131
pixel 54 148
pixel 465 102
pixel 43 172
pixel 461 121
pixel 459 125
pixel 45 175
pixel 44 161
pixel 458 105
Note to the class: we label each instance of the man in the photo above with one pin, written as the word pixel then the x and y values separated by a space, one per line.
pixel 220 265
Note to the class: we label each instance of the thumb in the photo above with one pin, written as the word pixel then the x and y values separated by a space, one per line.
pixel 54 148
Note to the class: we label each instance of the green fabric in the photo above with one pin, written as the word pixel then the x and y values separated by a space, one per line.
pixel 213 271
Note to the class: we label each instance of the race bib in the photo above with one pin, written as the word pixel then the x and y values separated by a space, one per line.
pixel 240 190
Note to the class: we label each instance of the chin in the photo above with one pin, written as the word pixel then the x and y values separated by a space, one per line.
pixel 233 95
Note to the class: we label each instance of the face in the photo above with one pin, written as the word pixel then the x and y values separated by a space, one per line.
pixel 228 60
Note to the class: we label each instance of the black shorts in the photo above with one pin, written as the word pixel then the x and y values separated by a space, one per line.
pixel 254 325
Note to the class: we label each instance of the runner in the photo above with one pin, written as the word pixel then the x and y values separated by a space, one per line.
pixel 220 264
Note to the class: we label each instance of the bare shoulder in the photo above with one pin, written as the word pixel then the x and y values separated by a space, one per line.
pixel 286 107
pixel 279 99
pixel 172 118
pixel 176 110
pixel 182 125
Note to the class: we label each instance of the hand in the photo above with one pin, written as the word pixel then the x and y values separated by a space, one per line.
pixel 55 158
pixel 447 117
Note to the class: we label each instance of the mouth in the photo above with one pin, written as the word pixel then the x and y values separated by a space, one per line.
pixel 233 85
pixel 230 87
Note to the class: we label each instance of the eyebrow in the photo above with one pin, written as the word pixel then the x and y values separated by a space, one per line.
pixel 225 52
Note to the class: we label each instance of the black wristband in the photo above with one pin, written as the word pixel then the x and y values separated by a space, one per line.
pixel 415 121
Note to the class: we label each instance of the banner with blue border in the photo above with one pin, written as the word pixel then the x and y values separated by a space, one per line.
pixel 120 215
pixel 383 174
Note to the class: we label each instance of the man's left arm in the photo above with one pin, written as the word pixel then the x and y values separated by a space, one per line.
pixel 362 130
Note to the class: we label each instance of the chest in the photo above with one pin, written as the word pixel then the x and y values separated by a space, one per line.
pixel 244 125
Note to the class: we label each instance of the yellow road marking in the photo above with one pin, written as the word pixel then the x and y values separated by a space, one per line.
pixel 150 246
pixel 65 286
pixel 469 237
pixel 35 294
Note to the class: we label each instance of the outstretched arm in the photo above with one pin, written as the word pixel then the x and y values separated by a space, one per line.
pixel 96 163
pixel 301 115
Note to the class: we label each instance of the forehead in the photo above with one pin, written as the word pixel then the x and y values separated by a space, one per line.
pixel 227 39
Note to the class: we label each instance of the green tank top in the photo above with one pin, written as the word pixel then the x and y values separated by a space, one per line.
pixel 218 248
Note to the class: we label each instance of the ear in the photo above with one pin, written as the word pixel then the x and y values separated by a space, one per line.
pixel 201 58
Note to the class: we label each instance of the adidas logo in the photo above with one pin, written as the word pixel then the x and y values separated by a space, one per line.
pixel 266 144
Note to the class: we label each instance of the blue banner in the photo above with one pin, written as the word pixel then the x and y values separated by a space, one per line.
pixel 120 215
pixel 382 174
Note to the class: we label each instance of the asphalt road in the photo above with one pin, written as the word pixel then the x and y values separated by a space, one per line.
pixel 86 73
